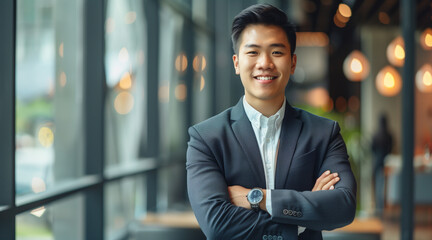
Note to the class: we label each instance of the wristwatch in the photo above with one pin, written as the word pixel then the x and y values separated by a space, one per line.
pixel 254 197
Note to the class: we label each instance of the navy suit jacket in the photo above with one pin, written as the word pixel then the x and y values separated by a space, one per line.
pixel 223 151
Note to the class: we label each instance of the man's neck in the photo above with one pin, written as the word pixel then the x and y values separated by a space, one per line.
pixel 266 107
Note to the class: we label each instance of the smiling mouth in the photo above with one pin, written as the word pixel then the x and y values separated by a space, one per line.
pixel 265 79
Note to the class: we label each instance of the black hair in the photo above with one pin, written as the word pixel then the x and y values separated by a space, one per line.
pixel 262 14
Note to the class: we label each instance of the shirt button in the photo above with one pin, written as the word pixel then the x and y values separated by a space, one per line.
pixel 285 211
pixel 264 237
pixel 299 214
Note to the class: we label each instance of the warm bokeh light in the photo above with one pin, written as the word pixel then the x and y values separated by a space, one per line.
pixel 384 18
pixel 62 79
pixel 426 39
pixel 199 63
pixel 46 136
pixel 163 93
pixel 337 22
pixel 341 104
pixel 354 104
pixel 61 50
pixel 341 18
pixel 317 97
pixel 328 107
pixel 388 82
pixel 130 17
pixel 181 62
pixel 123 103
pixel 344 10
pixel 126 81
pixel 356 66
pixel 202 83
pixel 181 92
pixel 109 25
pixel 38 185
pixel 396 52
pixel 123 55
pixel 38 212
pixel 399 52
pixel 312 39
pixel 424 78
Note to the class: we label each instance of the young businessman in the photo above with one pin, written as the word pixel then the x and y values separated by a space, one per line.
pixel 263 169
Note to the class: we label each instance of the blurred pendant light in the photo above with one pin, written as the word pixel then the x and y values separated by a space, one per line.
pixel 424 78
pixel 388 82
pixel 426 39
pixel 356 66
pixel 396 52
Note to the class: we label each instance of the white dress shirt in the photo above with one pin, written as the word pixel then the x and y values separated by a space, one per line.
pixel 267 132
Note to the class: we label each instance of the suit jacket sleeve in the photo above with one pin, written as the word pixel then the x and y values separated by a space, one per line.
pixel 321 210
pixel 209 198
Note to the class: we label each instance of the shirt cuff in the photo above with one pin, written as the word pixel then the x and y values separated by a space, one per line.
pixel 268 201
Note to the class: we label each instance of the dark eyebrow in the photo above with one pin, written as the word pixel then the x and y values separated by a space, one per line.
pixel 251 45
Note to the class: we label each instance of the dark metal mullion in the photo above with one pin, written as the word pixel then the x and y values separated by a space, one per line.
pixel 407 8
pixel 7 119
pixel 94 90
pixel 151 10
pixel 58 192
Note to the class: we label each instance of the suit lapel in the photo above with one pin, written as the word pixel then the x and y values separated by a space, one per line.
pixel 290 132
pixel 246 137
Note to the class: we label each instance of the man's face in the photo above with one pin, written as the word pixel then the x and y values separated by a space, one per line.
pixel 264 63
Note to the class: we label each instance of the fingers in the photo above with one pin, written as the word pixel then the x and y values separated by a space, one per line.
pixel 320 182
pixel 326 181
pixel 330 184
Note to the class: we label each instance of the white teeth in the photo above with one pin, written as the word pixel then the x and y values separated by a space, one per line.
pixel 265 78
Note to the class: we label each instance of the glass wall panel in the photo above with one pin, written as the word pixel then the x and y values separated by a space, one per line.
pixel 202 85
pixel 125 56
pixel 124 203
pixel 49 102
pixel 62 220
pixel 173 93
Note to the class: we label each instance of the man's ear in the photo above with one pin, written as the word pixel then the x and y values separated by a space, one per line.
pixel 236 66
pixel 293 63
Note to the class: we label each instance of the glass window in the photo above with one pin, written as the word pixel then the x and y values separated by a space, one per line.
pixel 173 64
pixel 49 103
pixel 59 220
pixel 126 81
pixel 124 202
pixel 202 78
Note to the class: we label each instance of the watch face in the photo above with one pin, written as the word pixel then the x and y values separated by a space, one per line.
pixel 255 196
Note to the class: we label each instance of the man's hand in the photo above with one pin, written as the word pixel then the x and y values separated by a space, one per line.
pixel 238 197
pixel 326 181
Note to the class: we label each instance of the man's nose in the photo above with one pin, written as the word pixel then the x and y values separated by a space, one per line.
pixel 265 62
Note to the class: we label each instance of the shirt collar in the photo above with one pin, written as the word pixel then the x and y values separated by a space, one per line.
pixel 256 118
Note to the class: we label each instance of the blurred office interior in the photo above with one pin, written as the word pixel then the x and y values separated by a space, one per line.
pixel 97 96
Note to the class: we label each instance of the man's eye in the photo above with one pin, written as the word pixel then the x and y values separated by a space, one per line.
pixel 277 53
pixel 252 53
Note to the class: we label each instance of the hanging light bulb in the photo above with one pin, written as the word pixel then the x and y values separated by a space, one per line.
pixel 424 78
pixel 388 82
pixel 396 52
pixel 426 39
pixel 356 66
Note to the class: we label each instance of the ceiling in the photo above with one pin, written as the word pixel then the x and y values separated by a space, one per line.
pixel 319 14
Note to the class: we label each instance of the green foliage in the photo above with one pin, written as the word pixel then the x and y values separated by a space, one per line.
pixel 27 113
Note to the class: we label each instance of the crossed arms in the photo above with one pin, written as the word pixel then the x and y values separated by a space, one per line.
pixel 223 211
